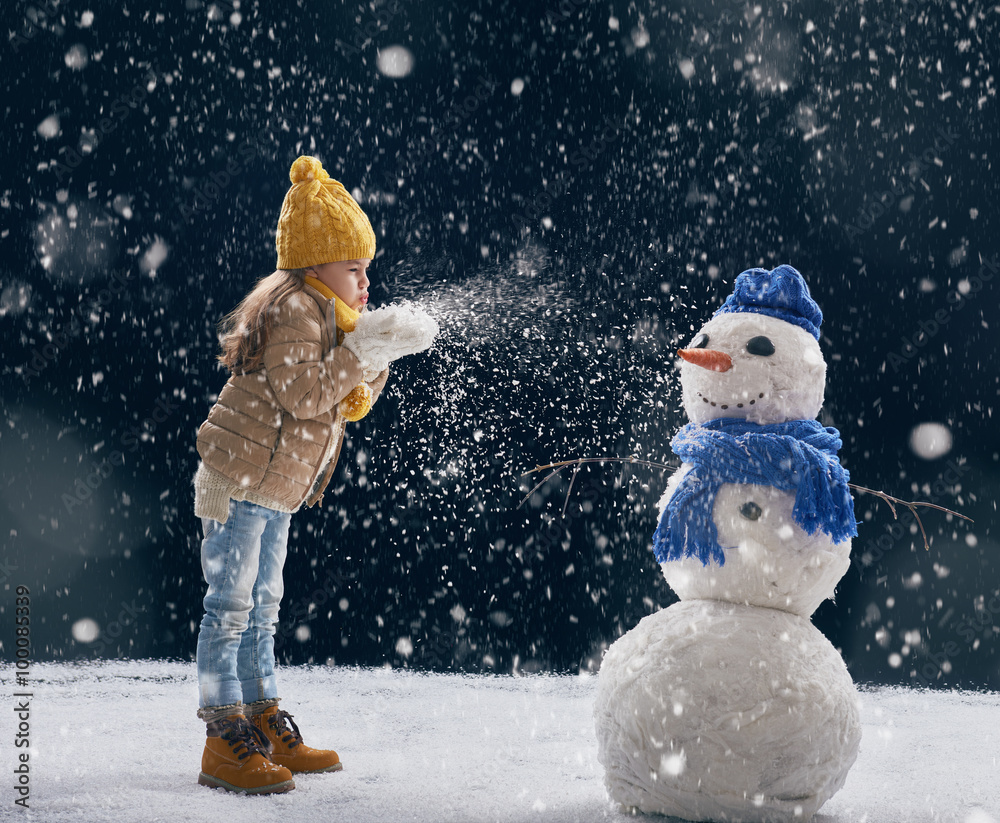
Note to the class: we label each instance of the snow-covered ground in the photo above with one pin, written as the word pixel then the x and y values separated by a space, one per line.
pixel 119 741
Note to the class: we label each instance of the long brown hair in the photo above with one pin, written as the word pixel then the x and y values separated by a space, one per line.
pixel 243 332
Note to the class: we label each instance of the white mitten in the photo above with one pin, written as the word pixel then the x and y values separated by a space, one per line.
pixel 388 333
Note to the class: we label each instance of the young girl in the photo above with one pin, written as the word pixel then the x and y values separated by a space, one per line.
pixel 301 366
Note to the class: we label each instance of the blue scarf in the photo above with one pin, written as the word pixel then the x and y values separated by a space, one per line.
pixel 799 455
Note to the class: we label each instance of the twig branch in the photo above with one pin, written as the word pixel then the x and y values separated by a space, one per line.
pixel 581 460
pixel 911 505
pixel 572 480
pixel 540 483
pixel 578 462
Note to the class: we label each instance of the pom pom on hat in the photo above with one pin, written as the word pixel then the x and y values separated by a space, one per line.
pixel 781 293
pixel 305 169
pixel 320 222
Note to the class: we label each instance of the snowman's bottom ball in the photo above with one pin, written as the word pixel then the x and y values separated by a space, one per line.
pixel 716 711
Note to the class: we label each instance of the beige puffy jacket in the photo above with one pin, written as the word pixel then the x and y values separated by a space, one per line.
pixel 271 429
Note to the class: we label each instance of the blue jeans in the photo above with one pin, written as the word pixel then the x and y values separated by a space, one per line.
pixel 242 561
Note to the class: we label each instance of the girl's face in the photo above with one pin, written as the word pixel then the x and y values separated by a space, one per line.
pixel 348 279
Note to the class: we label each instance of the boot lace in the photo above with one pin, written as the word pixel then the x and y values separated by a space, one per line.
pixel 283 725
pixel 242 734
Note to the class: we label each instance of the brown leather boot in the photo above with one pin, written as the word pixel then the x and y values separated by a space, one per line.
pixel 287 747
pixel 235 759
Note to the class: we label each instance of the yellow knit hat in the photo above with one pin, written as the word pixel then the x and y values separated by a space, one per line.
pixel 320 222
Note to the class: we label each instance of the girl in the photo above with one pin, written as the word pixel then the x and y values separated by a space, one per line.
pixel 300 367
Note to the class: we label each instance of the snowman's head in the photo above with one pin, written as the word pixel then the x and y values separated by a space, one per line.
pixel 758 358
pixel 752 366
pixel 770 560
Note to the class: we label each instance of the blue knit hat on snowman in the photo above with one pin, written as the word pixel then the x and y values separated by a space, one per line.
pixel 781 293
pixel 798 456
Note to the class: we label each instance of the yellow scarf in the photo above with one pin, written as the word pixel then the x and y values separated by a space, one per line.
pixel 359 402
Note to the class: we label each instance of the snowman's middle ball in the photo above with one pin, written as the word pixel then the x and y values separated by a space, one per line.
pixel 786 384
pixel 770 560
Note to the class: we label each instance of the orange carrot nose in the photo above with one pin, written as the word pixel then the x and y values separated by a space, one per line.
pixel 707 359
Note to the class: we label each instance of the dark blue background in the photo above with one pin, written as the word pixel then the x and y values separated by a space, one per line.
pixel 569 237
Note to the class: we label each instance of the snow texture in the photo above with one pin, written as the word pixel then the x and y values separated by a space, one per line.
pixel 118 742
pixel 775 563
pixel 787 385
pixel 706 705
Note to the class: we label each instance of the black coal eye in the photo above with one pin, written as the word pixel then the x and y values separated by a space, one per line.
pixel 751 511
pixel 761 346
pixel 699 342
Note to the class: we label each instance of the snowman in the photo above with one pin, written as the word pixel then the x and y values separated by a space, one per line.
pixel 730 705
